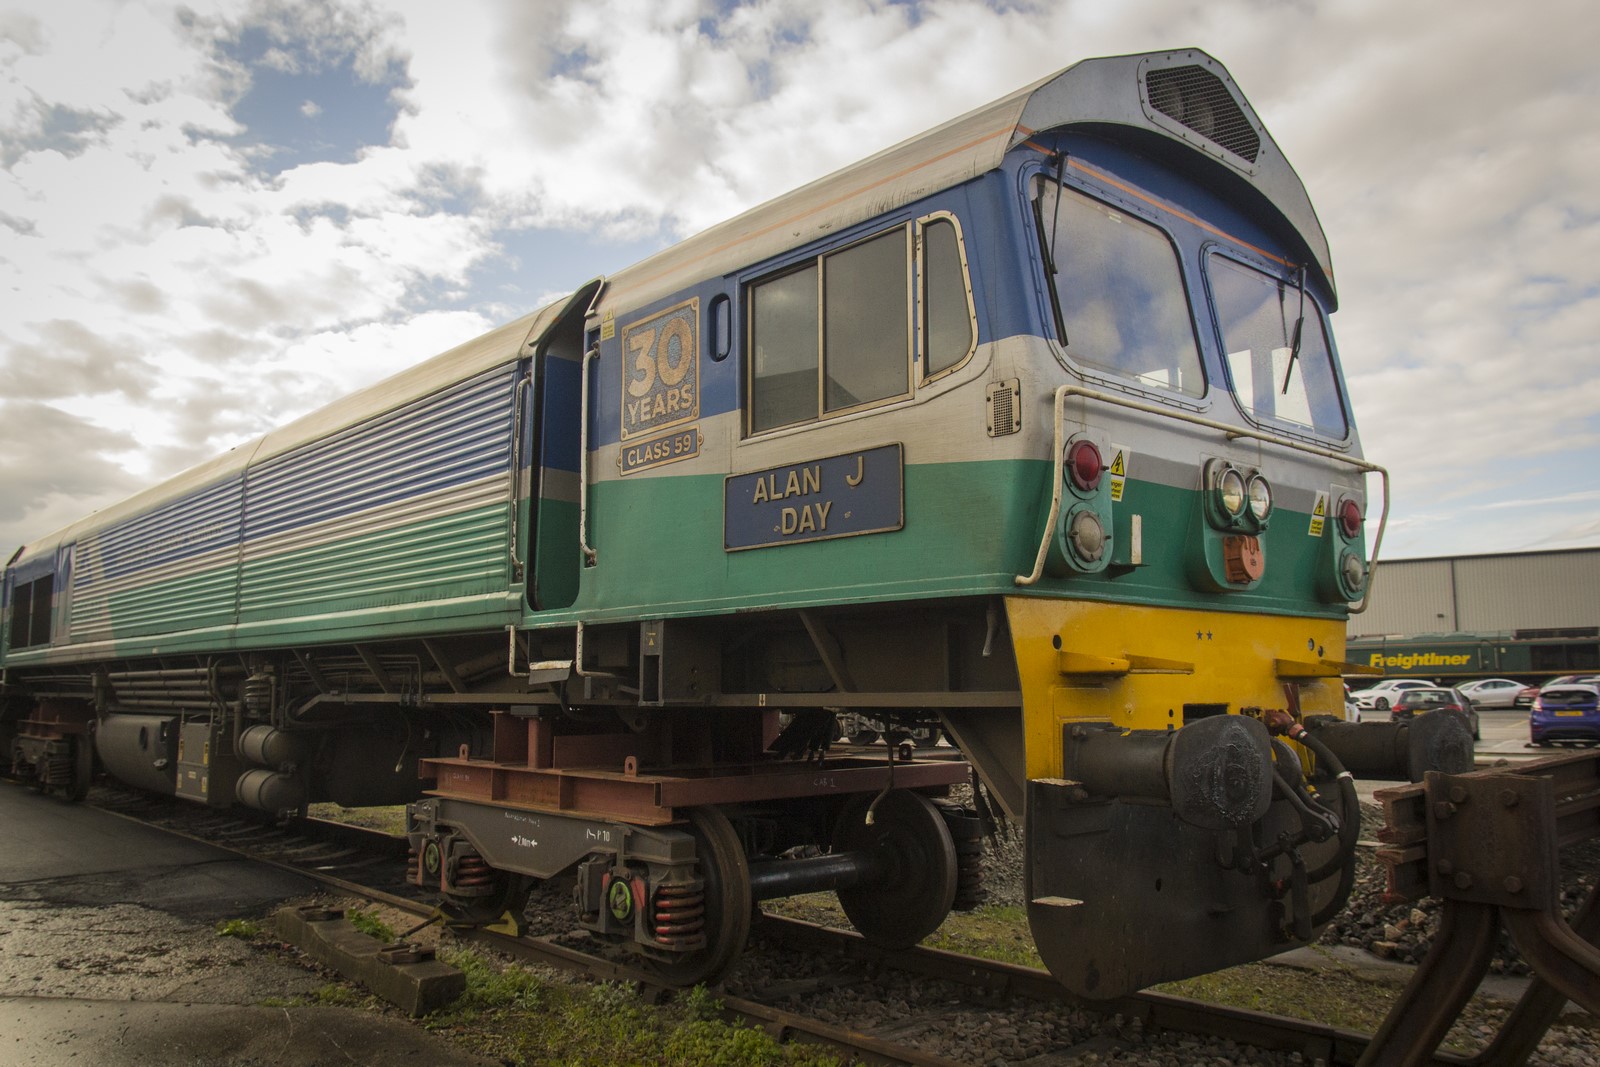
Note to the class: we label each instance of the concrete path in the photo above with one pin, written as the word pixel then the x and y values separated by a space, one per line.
pixel 109 955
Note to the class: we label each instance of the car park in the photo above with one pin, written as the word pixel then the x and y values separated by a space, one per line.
pixel 1566 714
pixel 1380 696
pixel 1416 701
pixel 1492 692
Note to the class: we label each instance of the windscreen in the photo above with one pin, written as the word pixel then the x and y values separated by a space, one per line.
pixel 1275 379
pixel 1119 296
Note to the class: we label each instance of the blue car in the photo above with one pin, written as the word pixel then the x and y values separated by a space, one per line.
pixel 1565 714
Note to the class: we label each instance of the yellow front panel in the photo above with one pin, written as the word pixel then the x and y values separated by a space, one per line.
pixel 1137 666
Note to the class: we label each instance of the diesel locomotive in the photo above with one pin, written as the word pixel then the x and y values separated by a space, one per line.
pixel 1028 432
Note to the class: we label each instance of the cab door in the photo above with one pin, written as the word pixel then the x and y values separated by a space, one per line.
pixel 554 450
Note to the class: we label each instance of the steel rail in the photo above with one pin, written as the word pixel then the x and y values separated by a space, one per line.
pixel 1335 1046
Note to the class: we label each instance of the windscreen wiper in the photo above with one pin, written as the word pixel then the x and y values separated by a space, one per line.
pixel 1299 327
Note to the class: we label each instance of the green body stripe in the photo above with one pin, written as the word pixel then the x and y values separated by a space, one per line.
pixel 970 528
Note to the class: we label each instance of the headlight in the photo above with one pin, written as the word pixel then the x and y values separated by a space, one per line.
pixel 1354 570
pixel 1260 497
pixel 1088 536
pixel 1231 492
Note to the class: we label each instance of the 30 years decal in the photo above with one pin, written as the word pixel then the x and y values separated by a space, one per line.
pixel 661 370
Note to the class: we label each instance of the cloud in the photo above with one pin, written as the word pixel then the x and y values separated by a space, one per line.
pixel 34 482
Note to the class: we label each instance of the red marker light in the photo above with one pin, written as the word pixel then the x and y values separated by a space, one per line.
pixel 1084 465
pixel 1349 518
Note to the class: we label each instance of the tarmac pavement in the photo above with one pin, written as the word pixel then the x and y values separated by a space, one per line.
pixel 109 955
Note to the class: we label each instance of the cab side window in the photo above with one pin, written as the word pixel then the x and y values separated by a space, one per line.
pixel 833 335
pixel 30 612
pixel 843 330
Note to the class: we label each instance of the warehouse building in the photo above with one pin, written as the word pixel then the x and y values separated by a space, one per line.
pixel 1521 614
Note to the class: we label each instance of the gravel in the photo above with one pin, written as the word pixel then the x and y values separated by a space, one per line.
pixel 1405 932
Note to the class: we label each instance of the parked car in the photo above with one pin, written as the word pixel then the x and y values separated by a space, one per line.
pixel 1352 710
pixel 1526 698
pixel 1493 692
pixel 1384 693
pixel 1416 701
pixel 1566 713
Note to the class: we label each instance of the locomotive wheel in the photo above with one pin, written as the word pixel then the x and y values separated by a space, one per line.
pixel 918 885
pixel 726 873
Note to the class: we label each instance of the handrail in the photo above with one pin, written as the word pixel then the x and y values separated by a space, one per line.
pixel 518 567
pixel 1233 433
pixel 589 555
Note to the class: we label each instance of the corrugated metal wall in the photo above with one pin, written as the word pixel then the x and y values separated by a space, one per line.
pixel 1476 594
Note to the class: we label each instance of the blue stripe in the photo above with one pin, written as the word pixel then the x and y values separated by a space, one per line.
pixel 459 435
pixel 202 522
pixel 454 437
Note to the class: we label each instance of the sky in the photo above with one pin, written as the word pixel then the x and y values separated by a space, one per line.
pixel 217 215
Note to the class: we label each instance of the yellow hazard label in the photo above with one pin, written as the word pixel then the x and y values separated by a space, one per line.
pixel 1319 515
pixel 1118 471
pixel 608 326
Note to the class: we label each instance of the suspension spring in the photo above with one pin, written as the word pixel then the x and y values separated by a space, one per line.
pixel 678 915
pixel 57 770
pixel 970 891
pixel 473 874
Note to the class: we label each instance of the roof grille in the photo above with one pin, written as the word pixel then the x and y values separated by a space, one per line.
pixel 1197 99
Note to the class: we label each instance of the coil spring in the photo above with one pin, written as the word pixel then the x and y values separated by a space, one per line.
pixel 970 891
pixel 678 915
pixel 473 873
pixel 57 770
pixel 966 832
pixel 413 865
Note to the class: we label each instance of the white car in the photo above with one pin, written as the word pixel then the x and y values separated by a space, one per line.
pixel 1378 697
pixel 1492 692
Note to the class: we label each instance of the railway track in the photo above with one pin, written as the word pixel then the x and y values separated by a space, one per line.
pixel 368 864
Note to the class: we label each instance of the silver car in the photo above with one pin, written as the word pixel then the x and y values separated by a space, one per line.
pixel 1380 696
pixel 1493 692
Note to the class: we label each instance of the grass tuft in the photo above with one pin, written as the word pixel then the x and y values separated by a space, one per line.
pixel 368 923
pixel 513 1015
pixel 243 929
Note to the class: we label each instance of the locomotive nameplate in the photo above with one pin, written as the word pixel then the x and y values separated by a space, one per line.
pixel 661 370
pixel 841 496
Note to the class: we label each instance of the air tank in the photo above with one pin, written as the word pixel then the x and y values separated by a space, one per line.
pixel 271 791
pixel 140 750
